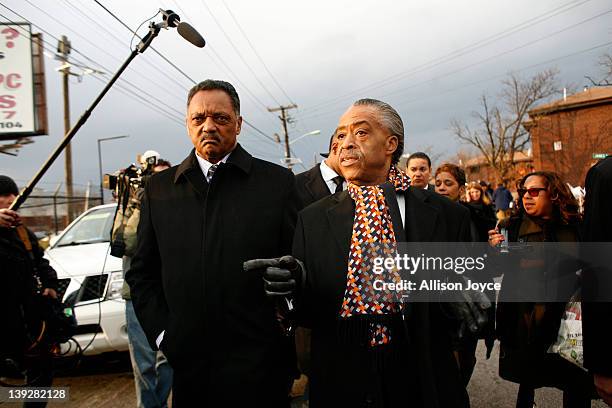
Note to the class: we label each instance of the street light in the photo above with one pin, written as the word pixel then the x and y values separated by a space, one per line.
pixel 314 132
pixel 100 162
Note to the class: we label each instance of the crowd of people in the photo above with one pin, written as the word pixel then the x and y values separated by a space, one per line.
pixel 233 253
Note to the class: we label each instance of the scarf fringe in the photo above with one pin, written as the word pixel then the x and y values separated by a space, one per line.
pixel 357 331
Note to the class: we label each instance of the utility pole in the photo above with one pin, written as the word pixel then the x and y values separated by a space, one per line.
pixel 284 118
pixel 63 49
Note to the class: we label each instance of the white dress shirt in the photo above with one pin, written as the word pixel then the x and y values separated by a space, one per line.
pixel 401 203
pixel 205 165
pixel 328 176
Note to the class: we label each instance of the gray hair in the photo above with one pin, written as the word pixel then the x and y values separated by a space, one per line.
pixel 390 119
pixel 215 84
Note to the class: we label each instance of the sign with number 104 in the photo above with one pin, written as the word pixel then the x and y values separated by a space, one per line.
pixel 16 79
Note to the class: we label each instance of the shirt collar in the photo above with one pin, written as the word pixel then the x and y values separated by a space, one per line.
pixel 326 172
pixel 238 158
pixel 205 165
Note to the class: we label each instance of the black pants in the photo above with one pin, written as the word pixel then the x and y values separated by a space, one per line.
pixel 39 374
pixel 191 389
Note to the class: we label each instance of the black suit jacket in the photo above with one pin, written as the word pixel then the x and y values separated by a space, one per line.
pixel 341 374
pixel 311 186
pixel 187 276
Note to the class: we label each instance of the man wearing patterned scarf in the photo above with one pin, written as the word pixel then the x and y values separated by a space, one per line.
pixel 368 350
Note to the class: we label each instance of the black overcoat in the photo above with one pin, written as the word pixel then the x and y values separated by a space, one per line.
pixel 425 375
pixel 597 315
pixel 187 277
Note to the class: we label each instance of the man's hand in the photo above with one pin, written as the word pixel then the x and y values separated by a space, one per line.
pixel 50 293
pixel 9 218
pixel 604 387
pixel 282 276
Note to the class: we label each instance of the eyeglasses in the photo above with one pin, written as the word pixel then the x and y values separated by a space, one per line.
pixel 533 191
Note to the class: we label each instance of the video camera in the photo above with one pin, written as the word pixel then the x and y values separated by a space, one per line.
pixel 133 175
pixel 127 185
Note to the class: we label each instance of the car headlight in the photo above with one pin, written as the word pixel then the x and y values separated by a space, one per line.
pixel 115 285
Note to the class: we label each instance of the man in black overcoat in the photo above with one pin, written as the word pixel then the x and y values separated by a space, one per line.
pixel 597 315
pixel 199 222
pixel 351 365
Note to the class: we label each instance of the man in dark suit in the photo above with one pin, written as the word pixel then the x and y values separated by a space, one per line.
pixel 393 358
pixel 597 315
pixel 323 179
pixel 418 168
pixel 199 222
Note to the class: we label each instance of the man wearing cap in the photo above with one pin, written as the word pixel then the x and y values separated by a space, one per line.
pixel 323 179
pixel 21 260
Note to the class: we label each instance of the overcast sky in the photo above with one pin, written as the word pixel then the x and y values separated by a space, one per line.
pixel 431 60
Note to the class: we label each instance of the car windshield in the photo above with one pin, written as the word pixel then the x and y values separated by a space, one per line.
pixel 92 228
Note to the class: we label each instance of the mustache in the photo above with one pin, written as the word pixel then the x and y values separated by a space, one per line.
pixel 351 153
pixel 210 136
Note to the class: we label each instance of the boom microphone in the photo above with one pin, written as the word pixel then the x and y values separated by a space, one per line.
pixel 171 19
pixel 191 34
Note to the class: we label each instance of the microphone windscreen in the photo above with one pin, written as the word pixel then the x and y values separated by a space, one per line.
pixel 191 34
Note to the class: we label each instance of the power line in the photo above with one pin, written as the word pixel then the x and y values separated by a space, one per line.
pixel 232 74
pixel 110 33
pixel 311 116
pixel 155 50
pixel 456 53
pixel 511 50
pixel 173 65
pixel 50 48
pixel 112 56
pixel 227 37
pixel 401 103
pixel 256 53
pixel 502 75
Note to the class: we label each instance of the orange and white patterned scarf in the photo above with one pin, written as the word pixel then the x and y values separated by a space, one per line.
pixel 372 236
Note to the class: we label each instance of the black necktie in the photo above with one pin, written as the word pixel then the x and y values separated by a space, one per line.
pixel 338 181
pixel 211 172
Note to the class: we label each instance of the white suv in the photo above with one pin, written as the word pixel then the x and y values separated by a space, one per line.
pixel 91 279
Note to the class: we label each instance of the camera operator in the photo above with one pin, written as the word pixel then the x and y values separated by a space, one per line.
pixel 25 275
pixel 152 373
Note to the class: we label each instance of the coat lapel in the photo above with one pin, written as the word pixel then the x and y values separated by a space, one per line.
pixel 191 171
pixel 316 185
pixel 421 216
pixel 340 217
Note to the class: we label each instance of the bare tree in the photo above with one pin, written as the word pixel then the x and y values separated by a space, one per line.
pixel 499 132
pixel 605 64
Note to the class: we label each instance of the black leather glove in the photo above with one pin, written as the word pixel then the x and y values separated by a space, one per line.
pixel 469 311
pixel 282 276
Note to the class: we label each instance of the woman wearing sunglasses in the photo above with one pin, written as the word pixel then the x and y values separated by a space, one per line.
pixel 547 212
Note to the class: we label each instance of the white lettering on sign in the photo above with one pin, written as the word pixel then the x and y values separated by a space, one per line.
pixel 16 79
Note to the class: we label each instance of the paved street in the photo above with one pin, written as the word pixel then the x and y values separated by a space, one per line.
pixel 108 383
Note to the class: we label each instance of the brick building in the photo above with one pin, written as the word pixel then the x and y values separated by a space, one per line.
pixel 568 135
pixel 477 169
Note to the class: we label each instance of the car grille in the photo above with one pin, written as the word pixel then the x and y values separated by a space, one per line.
pixel 93 288
pixel 62 285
